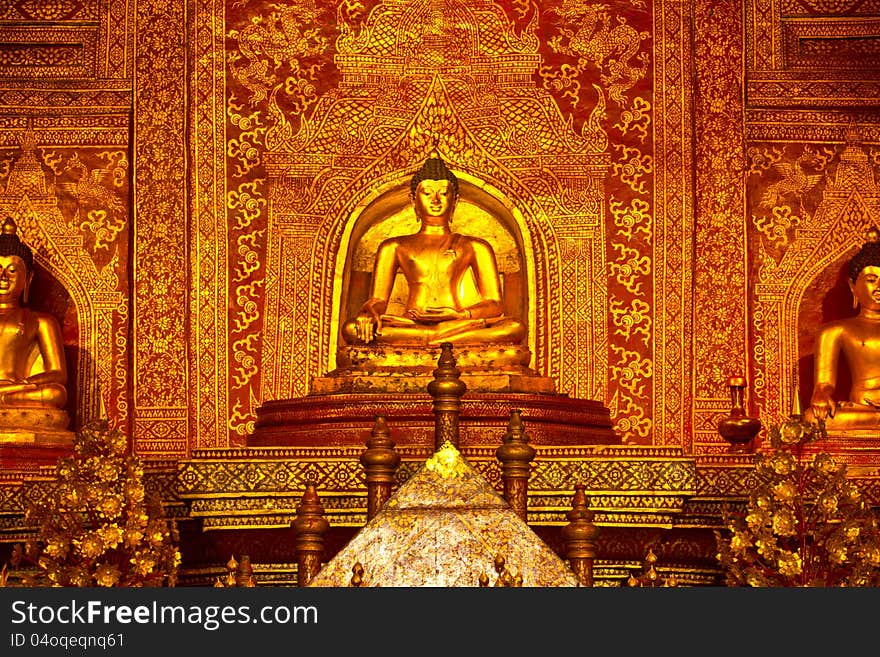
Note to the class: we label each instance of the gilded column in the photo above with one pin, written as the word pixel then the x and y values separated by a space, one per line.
pixel 446 389
pixel 380 463
pixel 309 527
pixel 516 455
pixel 161 321
pixel 579 537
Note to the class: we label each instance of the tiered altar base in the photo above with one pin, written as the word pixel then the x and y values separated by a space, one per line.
pixel 858 449
pixel 343 419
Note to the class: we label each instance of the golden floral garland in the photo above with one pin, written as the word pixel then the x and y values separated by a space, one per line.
pixel 98 526
pixel 805 524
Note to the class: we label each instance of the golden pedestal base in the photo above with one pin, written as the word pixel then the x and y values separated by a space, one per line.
pixel 390 369
pixel 392 383
pixel 859 449
pixel 374 358
pixel 32 437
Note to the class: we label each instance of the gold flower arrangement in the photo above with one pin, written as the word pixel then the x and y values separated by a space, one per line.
pixel 806 523
pixel 98 526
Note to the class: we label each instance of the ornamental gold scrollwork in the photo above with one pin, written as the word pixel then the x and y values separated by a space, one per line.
pixel 610 46
pixel 276 64
pixel 632 221
pixel 592 39
pixel 631 320
pixel 631 167
pixel 162 379
pixel 245 148
pixel 636 118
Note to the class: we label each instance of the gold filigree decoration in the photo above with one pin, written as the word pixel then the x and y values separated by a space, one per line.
pixel 633 220
pixel 242 424
pixel 120 367
pixel 245 355
pixel 246 204
pixel 247 200
pixel 776 227
pixel 246 147
pixel 521 7
pixel 632 166
pixel 564 81
pixel 761 159
pixel 105 228
pixel 759 349
pixel 629 265
pixel 271 65
pixel 589 36
pixel 632 370
pixel 89 184
pixel 636 117
pixel 634 319
pixel 796 180
pixel 630 420
pixel 831 6
pixel 117 167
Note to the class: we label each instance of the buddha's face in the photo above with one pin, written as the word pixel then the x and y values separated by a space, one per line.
pixel 866 289
pixel 13 278
pixel 434 200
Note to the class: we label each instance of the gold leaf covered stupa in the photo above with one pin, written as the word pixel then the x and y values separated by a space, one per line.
pixel 445 527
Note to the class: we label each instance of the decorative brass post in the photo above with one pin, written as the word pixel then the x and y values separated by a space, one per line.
pixel 579 537
pixel 446 389
pixel 245 573
pixel 515 455
pixel 309 526
pixel 380 462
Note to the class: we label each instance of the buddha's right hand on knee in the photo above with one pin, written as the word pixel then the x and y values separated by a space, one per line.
pixel 367 327
pixel 822 405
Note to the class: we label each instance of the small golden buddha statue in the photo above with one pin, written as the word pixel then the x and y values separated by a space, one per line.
pixel 858 338
pixel 33 371
pixel 434 262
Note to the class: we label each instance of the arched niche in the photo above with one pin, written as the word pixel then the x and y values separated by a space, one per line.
pixel 480 212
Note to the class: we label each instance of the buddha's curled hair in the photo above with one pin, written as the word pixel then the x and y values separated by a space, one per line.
pixel 867 256
pixel 11 244
pixel 434 168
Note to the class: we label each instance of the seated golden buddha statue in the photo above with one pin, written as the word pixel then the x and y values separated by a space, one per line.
pixel 434 261
pixel 33 372
pixel 858 339
pixel 452 293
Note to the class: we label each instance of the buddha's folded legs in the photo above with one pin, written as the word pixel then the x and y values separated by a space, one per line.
pixel 478 330
pixel 46 395
pixel 461 331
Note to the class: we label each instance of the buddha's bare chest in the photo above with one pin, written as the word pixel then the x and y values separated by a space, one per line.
pixel 15 348
pixel 862 342
pixel 432 266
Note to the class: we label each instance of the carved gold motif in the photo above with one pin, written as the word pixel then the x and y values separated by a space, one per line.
pixel 159 243
pixel 720 328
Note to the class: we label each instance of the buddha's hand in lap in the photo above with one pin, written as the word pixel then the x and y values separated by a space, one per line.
pixel 10 385
pixel 435 315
